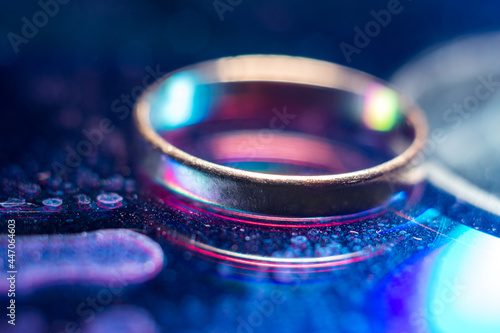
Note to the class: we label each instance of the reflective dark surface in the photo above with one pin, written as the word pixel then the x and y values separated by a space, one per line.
pixel 388 269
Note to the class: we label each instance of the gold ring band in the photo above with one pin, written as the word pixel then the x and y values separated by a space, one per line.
pixel 354 103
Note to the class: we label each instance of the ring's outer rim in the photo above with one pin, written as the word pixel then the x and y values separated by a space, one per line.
pixel 267 195
pixel 412 113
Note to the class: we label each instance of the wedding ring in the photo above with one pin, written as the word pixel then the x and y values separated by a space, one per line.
pixel 279 136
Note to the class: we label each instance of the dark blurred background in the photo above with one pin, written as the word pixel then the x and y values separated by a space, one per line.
pixel 83 55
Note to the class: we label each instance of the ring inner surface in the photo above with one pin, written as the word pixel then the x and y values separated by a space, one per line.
pixel 280 127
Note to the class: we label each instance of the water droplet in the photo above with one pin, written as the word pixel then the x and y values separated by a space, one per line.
pixel 13 202
pixel 83 199
pixel 109 198
pixel 52 202
pixel 299 242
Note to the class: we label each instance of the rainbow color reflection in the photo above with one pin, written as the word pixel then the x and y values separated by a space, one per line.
pixel 380 108
pixel 180 101
pixel 464 289
pixel 454 288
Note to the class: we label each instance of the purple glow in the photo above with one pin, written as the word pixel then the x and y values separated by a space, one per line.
pixel 112 257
